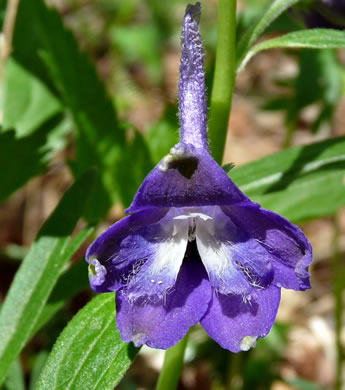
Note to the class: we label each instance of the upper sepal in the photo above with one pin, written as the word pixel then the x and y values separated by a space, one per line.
pixel 187 177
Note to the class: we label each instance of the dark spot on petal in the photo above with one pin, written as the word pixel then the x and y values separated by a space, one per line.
pixel 186 166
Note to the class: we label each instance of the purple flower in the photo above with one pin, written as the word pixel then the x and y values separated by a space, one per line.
pixel 194 247
pixel 322 14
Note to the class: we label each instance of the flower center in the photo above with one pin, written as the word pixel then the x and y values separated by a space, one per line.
pixel 192 230
pixel 193 217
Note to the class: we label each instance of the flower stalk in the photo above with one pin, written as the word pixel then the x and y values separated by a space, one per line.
pixel 224 78
pixel 173 363
pixel 338 274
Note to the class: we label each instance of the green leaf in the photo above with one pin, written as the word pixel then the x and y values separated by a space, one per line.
pixel 39 362
pixel 89 354
pixel 54 48
pixel 15 379
pixel 319 80
pixel 27 101
pixel 75 279
pixel 271 14
pixel 303 384
pixel 228 167
pixel 140 43
pixel 163 135
pixel 49 51
pixel 32 155
pixel 39 272
pixel 141 165
pixel 318 38
pixel 300 183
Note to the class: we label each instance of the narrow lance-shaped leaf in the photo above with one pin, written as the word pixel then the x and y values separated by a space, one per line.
pixel 301 183
pixel 303 384
pixel 32 155
pixel 15 379
pixel 48 50
pixel 271 14
pixel 27 101
pixel 51 53
pixel 71 282
pixel 320 38
pixel 89 354
pixel 38 364
pixel 39 272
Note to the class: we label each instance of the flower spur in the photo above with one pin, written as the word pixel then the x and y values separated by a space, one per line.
pixel 194 247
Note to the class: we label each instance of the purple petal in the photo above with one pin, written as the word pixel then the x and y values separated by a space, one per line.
pixel 236 324
pixel 158 275
pixel 162 324
pixel 285 244
pixel 234 262
pixel 124 246
pixel 187 177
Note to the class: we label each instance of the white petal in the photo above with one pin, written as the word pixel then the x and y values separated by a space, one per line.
pixel 215 254
pixel 158 275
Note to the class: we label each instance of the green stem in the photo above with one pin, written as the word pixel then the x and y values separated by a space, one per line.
pixel 289 134
pixel 224 78
pixel 235 369
pixel 338 273
pixel 173 362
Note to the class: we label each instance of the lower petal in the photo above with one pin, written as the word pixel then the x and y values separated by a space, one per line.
pixel 158 275
pixel 163 323
pixel 223 273
pixel 235 323
pixel 234 262
pixel 289 250
pixel 122 249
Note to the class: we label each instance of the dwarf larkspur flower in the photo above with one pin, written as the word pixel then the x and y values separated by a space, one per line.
pixel 194 247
